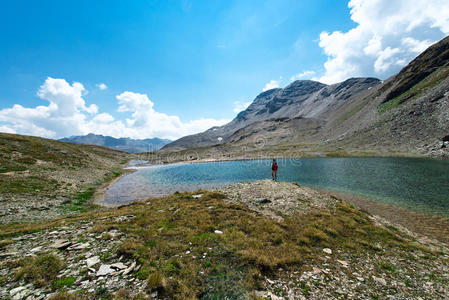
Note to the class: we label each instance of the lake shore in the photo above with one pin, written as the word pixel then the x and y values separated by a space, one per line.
pixel 416 223
pixel 99 196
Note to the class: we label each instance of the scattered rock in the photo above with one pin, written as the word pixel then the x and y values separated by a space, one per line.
pixel 61 244
pixel 92 261
pixel 16 290
pixel 344 263
pixel 379 280
pixel 119 266
pixel 218 232
pixel 284 198
pixel 37 249
pixel 267 295
pixel 78 246
pixel 129 270
pixel 327 251
pixel 8 254
pixel 197 196
pixel 104 270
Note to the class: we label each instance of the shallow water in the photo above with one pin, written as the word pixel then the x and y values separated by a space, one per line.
pixel 418 184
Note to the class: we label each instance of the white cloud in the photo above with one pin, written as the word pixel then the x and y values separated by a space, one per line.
pixel 146 121
pixel 303 75
pixel 64 115
pixel 101 86
pixel 6 129
pixel 271 85
pixel 67 99
pixel 388 35
pixel 67 114
pixel 240 106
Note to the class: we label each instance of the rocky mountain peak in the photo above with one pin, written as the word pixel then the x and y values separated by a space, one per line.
pixel 302 87
pixel 299 99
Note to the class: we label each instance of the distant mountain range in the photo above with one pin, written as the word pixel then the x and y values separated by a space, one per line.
pixel 122 144
pixel 407 113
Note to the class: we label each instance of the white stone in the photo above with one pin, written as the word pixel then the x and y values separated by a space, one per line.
pixel 344 263
pixel 37 249
pixel 327 250
pixel 104 270
pixel 16 290
pixel 119 266
pixel 379 280
pixel 92 261
pixel 260 294
pixel 60 244
pixel 114 233
pixel 129 270
pixel 20 295
pixel 85 282
pixel 197 196
pixel 78 246
pixel 218 232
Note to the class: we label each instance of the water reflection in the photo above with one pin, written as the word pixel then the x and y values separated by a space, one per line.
pixel 421 184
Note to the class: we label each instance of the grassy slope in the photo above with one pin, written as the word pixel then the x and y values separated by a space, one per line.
pixel 181 257
pixel 37 168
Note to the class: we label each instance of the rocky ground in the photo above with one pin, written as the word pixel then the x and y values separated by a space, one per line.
pixel 86 256
pixel 276 199
pixel 257 240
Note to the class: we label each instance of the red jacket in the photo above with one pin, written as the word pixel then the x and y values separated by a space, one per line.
pixel 274 167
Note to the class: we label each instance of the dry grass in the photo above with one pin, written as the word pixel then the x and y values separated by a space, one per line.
pixel 41 270
pixel 174 237
pixel 181 256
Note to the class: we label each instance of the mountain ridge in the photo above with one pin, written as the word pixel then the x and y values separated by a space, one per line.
pixel 298 99
pixel 406 113
pixel 123 144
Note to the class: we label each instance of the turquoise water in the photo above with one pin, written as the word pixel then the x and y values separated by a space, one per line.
pixel 418 184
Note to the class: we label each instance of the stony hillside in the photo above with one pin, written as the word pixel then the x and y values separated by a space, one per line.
pixel 406 114
pixel 42 178
pixel 122 144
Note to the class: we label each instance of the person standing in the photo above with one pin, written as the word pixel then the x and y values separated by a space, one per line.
pixel 274 170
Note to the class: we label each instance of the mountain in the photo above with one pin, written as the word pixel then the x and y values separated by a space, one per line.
pixel 408 113
pixel 302 103
pixel 122 144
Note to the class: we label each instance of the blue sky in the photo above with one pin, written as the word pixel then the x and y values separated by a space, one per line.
pixel 186 65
